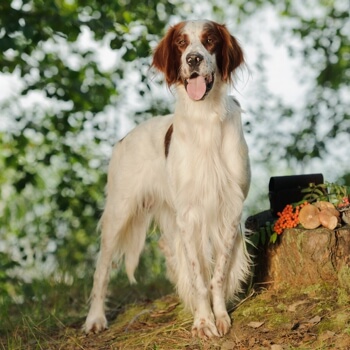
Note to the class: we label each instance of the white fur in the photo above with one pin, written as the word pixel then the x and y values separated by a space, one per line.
pixel 195 194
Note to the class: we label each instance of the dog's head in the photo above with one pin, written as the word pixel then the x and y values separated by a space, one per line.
pixel 195 54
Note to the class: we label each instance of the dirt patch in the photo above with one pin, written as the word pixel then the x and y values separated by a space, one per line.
pixel 315 317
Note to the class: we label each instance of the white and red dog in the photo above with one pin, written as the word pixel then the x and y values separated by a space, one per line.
pixel 190 173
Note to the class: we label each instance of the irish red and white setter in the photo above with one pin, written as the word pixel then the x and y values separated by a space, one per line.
pixel 190 173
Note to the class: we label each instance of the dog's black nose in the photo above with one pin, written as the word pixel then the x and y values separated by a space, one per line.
pixel 194 59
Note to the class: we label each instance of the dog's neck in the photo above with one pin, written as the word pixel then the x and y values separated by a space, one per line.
pixel 213 108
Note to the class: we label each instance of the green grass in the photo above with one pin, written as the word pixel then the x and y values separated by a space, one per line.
pixel 49 307
pixel 33 314
pixel 46 306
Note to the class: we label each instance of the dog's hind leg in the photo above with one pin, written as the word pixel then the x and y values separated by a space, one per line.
pixel 122 235
pixel 134 242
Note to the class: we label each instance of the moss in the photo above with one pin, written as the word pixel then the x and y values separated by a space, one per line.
pixel 341 319
pixel 344 277
pixel 276 320
pixel 335 323
pixel 133 312
pixel 282 307
pixel 318 288
pixel 343 297
pixel 253 309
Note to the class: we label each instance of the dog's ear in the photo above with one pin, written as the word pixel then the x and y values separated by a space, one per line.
pixel 231 55
pixel 167 57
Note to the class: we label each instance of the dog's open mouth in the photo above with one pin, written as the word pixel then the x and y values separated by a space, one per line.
pixel 197 86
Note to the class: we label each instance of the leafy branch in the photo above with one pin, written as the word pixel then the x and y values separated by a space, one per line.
pixel 329 192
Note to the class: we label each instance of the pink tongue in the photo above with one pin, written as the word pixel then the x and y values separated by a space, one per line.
pixel 196 88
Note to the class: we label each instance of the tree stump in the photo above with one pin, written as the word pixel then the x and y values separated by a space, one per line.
pixel 304 257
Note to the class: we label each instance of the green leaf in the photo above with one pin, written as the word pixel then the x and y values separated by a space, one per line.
pixel 262 234
pixel 273 238
pixel 117 43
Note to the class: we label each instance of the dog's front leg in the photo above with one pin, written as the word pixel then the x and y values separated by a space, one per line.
pixel 204 323
pixel 223 321
pixel 96 320
pixel 220 279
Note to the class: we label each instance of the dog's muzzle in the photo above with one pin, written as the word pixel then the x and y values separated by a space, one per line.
pixel 197 86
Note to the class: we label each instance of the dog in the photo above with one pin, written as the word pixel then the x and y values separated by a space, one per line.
pixel 190 173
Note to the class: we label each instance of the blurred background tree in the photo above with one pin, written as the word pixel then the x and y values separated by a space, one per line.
pixel 79 67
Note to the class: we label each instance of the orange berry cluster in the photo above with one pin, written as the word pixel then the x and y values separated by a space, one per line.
pixel 288 218
pixel 344 202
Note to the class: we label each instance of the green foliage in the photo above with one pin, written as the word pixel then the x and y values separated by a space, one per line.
pixel 52 159
pixel 267 234
pixel 317 126
pixel 327 45
pixel 329 192
pixel 264 235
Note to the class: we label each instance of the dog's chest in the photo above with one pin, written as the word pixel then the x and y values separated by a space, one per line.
pixel 198 163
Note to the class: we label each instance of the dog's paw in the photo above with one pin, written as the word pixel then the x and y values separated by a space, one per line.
pixel 95 325
pixel 204 328
pixel 223 324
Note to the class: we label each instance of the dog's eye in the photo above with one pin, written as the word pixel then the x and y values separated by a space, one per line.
pixel 182 42
pixel 211 40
